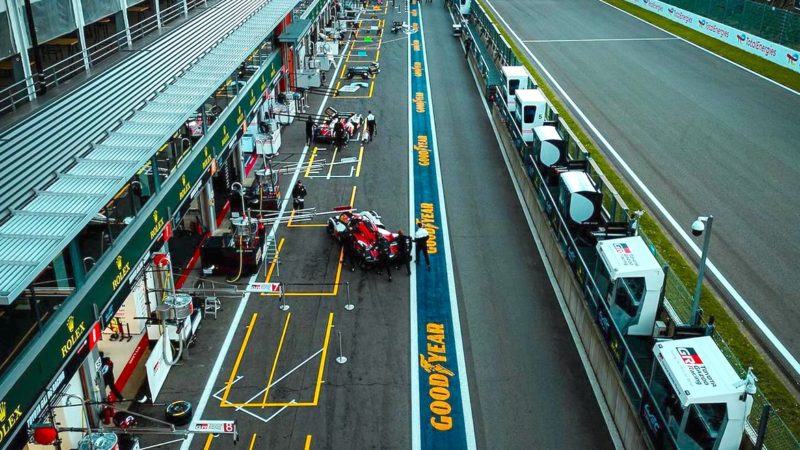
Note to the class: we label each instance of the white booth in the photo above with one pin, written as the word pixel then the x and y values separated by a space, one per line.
pixel 633 280
pixel 514 77
pixel 530 111
pixel 579 200
pixel 704 402
pixel 549 149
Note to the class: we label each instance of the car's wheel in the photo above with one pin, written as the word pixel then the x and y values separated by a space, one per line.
pixel 349 75
pixel 365 76
pixel 179 412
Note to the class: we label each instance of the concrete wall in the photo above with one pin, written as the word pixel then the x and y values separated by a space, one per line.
pixel 624 414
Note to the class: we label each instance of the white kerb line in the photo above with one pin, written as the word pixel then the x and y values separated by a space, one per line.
pixel 240 310
pixel 573 331
pixel 740 301
pixel 545 41
pixel 412 296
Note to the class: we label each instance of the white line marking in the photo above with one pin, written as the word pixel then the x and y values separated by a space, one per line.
pixel 587 367
pixel 741 302
pixel 469 427
pixel 416 437
pixel 600 40
pixel 201 406
pixel 701 48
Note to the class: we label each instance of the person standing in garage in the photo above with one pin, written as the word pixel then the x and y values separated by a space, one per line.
pixel 107 371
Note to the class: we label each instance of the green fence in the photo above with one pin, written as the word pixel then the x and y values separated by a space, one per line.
pixel 761 19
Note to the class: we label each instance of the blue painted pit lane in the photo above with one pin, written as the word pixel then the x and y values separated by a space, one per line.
pixel 440 394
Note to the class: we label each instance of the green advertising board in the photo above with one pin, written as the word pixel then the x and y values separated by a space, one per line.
pixel 43 358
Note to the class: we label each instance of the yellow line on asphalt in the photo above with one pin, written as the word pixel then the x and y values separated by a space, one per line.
pixel 339 270
pixel 274 260
pixel 208 442
pixel 353 196
pixel 371 88
pixel 275 361
pixel 358 167
pixel 252 442
pixel 238 360
pixel 308 443
pixel 311 161
pixel 324 355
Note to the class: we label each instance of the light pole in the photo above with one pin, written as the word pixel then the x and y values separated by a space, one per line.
pixel 702 224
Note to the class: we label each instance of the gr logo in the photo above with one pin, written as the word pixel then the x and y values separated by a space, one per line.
pixel 689 355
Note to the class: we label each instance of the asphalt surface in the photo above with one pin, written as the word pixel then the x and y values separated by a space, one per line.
pixel 527 384
pixel 528 387
pixel 705 136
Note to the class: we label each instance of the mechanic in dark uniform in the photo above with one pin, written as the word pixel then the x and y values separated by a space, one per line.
pixel 309 130
pixel 382 245
pixel 404 244
pixel 299 195
pixel 349 246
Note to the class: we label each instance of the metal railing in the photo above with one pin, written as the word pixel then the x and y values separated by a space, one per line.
pixel 14 95
pixel 678 299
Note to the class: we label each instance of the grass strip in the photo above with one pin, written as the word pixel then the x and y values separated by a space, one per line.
pixel 769 383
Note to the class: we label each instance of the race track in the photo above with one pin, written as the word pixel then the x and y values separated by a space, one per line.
pixel 705 136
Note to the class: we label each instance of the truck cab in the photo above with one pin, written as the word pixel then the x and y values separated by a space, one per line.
pixel 633 281
pixel 514 77
pixel 531 110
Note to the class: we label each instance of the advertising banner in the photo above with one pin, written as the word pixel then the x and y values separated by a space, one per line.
pixel 783 56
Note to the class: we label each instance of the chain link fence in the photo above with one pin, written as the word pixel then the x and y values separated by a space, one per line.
pixel 778 25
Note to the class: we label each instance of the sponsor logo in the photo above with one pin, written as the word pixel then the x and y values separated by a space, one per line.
pixel 756 45
pixel 428 219
pixel 792 58
pixel 239 115
pixel 622 249
pixel 207 157
pixel 438 378
pixel 654 6
pixel 423 152
pixel 689 355
pixel 185 187
pixel 712 28
pixel 225 136
pixel 75 332
pixel 123 268
pixel 158 224
pixel 8 419
pixel 679 15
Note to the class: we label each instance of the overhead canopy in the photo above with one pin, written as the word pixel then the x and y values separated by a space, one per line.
pixel 631 258
pixel 39 229
pixel 295 31
pixel 577 181
pixel 698 371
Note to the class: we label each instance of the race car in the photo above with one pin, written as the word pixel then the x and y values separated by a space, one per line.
pixel 350 121
pixel 363 231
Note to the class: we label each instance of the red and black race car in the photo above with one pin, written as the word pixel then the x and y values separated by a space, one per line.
pixel 362 231
pixel 350 121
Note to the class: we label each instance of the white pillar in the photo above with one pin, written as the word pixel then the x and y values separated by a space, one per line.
pixel 19 33
pixel 123 4
pixel 79 21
